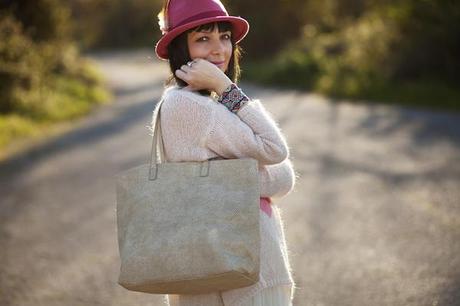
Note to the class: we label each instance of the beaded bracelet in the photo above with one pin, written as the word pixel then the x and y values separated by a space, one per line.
pixel 233 98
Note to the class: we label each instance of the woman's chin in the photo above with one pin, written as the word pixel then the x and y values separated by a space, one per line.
pixel 222 67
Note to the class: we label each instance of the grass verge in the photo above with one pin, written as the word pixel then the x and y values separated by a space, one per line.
pixel 303 74
pixel 64 99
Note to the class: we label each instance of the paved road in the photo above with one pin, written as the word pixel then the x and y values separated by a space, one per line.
pixel 374 218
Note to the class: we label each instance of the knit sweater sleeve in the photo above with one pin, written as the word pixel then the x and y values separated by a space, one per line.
pixel 276 180
pixel 251 132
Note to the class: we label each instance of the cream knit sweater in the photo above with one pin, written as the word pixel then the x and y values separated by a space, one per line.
pixel 197 128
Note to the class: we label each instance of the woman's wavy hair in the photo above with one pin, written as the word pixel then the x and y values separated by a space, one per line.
pixel 179 55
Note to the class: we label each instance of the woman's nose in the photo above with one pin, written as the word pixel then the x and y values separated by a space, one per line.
pixel 218 47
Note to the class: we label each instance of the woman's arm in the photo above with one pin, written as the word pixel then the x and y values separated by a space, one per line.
pixel 276 180
pixel 238 130
pixel 251 132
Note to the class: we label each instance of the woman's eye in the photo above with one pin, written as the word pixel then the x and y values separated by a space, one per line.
pixel 205 38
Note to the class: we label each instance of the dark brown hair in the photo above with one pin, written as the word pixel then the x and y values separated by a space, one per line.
pixel 178 54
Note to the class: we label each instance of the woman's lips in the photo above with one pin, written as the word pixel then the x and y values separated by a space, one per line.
pixel 218 63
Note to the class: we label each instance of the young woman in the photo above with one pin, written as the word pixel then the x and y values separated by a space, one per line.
pixel 206 115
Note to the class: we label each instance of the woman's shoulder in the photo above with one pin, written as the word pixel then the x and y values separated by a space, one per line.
pixel 177 96
pixel 185 106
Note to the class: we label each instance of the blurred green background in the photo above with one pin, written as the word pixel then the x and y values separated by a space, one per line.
pixel 402 52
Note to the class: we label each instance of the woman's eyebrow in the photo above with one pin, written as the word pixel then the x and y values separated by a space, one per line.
pixel 209 31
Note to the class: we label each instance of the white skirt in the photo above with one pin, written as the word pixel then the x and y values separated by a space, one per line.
pixel 272 296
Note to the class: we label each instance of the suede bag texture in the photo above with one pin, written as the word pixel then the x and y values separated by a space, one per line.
pixel 188 227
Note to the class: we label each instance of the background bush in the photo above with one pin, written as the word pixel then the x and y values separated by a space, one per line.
pixel 393 51
pixel 43 78
pixel 108 24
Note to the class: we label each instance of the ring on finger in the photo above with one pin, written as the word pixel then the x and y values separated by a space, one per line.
pixel 190 63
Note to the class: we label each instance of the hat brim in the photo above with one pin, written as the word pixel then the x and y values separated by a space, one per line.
pixel 240 30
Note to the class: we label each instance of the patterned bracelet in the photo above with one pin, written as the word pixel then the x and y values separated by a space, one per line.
pixel 233 98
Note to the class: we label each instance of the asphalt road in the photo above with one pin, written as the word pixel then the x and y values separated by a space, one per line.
pixel 374 218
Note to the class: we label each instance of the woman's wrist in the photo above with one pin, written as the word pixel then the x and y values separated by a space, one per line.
pixel 222 86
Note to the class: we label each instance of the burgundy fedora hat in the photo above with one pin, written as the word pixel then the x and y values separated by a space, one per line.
pixel 182 15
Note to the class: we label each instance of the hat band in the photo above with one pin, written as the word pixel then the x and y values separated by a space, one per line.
pixel 201 16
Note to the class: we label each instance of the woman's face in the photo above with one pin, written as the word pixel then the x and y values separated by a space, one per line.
pixel 212 46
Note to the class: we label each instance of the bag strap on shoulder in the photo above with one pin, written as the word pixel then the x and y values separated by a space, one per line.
pixel 156 156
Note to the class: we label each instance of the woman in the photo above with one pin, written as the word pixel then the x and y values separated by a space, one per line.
pixel 205 115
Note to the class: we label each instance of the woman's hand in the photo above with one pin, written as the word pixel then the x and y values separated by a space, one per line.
pixel 204 75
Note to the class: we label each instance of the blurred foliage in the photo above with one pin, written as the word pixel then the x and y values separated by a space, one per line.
pixel 273 23
pixel 43 78
pixel 115 23
pixel 400 51
pixel 42 20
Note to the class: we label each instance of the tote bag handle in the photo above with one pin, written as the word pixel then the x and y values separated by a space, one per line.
pixel 158 156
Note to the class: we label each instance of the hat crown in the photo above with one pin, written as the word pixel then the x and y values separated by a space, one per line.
pixel 184 11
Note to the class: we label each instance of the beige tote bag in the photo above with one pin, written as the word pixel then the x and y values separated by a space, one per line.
pixel 188 227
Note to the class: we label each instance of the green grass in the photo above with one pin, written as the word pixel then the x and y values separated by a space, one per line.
pixel 293 72
pixel 297 72
pixel 13 127
pixel 70 98
pixel 434 95
pixel 64 99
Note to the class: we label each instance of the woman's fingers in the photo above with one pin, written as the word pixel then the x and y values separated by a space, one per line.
pixel 182 75
pixel 201 75
pixel 185 68
pixel 183 72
